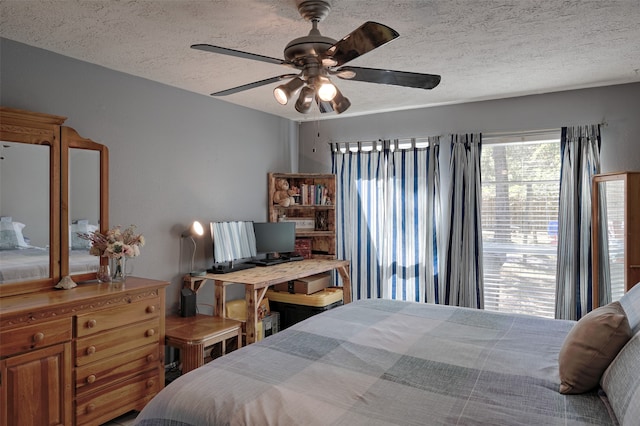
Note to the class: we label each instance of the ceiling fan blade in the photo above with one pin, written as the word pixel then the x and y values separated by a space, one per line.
pixel 397 78
pixel 363 39
pixel 253 85
pixel 240 54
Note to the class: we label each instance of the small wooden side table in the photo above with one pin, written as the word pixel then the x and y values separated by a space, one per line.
pixel 192 334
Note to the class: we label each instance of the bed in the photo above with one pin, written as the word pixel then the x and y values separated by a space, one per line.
pixel 32 263
pixel 21 261
pixel 379 362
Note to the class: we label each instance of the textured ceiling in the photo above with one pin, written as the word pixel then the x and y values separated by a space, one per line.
pixel 484 49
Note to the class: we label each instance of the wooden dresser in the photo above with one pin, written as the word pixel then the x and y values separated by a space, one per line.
pixel 82 356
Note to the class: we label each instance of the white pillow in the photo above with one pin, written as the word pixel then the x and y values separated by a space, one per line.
pixel 621 383
pixel 630 302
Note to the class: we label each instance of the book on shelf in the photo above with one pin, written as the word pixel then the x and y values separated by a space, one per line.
pixel 311 195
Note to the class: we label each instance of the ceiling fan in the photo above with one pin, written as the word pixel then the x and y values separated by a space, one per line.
pixel 318 57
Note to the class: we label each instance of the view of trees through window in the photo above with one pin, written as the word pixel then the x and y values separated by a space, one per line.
pixel 520 189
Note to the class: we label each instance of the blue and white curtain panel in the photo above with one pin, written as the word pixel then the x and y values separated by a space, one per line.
pixel 387 207
pixel 580 160
pixel 460 265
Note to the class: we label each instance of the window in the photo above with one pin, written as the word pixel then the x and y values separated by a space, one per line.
pixel 520 190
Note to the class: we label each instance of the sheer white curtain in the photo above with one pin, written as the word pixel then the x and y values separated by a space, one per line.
pixel 461 274
pixel 387 207
pixel 580 156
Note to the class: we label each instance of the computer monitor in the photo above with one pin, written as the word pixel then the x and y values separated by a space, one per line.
pixel 232 241
pixel 274 238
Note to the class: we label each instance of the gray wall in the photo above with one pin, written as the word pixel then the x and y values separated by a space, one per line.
pixel 175 156
pixel 618 106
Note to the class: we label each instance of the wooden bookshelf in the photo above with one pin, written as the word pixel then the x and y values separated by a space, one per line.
pixel 314 211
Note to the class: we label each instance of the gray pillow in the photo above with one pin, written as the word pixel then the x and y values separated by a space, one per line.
pixel 621 382
pixel 8 239
pixel 590 346
pixel 11 235
pixel 631 304
pixel 75 241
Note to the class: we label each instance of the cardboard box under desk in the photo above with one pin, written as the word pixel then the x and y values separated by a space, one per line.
pixel 294 308
pixel 306 285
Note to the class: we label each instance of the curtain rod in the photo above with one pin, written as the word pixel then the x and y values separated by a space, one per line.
pixel 486 136
pixel 523 133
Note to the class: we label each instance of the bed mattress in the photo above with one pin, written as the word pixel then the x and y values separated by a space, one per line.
pixel 383 362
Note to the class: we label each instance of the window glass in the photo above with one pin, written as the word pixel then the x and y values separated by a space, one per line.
pixel 520 190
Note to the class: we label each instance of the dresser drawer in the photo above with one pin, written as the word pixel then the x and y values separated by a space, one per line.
pixel 134 393
pixel 105 319
pixel 98 374
pixel 116 342
pixel 35 336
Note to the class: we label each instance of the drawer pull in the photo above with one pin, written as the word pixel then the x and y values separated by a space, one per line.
pixel 91 350
pixel 151 309
pixel 91 378
pixel 150 358
pixel 91 323
pixel 38 337
pixel 150 383
pixel 150 332
pixel 91 408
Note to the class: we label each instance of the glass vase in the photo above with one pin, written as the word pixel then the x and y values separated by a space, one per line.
pixel 118 269
pixel 104 274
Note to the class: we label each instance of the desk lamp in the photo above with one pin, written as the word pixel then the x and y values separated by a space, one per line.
pixel 195 230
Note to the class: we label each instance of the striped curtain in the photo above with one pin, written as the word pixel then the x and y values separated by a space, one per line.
pixel 461 267
pixel 386 210
pixel 580 160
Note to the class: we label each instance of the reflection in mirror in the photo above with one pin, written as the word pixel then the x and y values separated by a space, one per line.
pixel 612 214
pixel 24 212
pixel 84 207
pixel 84 175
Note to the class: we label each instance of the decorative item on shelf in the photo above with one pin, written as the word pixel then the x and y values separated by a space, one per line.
pixel 195 230
pixel 66 283
pixel 116 245
pixel 302 223
pixel 284 195
pixel 322 220
pixel 303 246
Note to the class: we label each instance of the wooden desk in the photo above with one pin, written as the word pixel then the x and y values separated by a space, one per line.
pixel 192 334
pixel 257 280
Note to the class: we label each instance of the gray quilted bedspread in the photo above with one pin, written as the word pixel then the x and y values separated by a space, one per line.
pixel 382 362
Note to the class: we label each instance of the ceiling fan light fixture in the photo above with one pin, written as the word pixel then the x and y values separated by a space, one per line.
pixel 303 104
pixel 317 57
pixel 340 103
pixel 326 89
pixel 286 91
pixel 329 62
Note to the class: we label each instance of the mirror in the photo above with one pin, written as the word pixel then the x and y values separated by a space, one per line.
pixel 84 187
pixel 29 201
pixel 50 178
pixel 24 212
pixel 610 230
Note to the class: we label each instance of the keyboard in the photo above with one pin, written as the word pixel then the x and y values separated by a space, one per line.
pixel 284 258
pixel 225 269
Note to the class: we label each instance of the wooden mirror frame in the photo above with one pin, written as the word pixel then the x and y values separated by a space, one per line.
pixel 71 139
pixel 40 129
pixel 29 127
